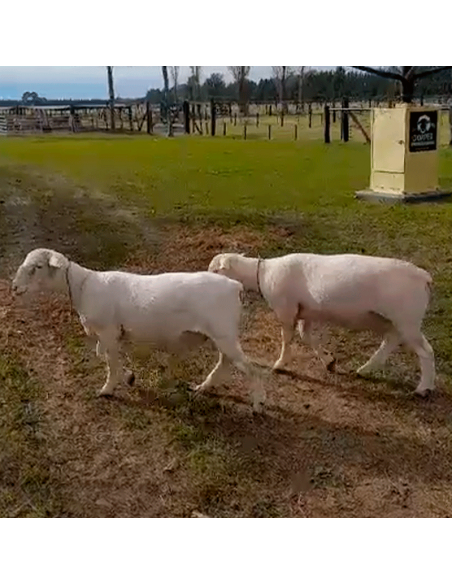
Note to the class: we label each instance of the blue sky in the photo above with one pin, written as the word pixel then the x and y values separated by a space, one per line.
pixel 91 82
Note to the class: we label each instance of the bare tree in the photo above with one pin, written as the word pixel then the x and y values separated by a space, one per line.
pixel 240 75
pixel 165 81
pixel 406 75
pixel 111 95
pixel 301 77
pixel 175 77
pixel 281 74
pixel 195 81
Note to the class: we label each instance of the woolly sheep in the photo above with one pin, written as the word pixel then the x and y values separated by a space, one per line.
pixel 389 296
pixel 160 309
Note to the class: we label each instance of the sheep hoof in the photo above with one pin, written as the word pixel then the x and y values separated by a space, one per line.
pixel 258 407
pixel 130 378
pixel 278 368
pixel 363 371
pixel 105 392
pixel 196 390
pixel 424 393
pixel 331 366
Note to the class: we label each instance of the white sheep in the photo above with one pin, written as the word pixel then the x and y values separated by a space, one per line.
pixel 386 295
pixel 162 310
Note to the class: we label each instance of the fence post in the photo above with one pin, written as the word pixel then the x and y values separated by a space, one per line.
pixel 224 128
pixel 244 131
pixel 212 117
pixel 130 119
pixel 71 118
pixel 310 115
pixel 334 112
pixel 327 124
pixel 345 131
pixel 257 120
pixel 198 107
pixel 296 131
pixel 450 126
pixel 270 110
pixel 151 120
pixel 193 117
pixel 148 118
pixel 235 119
pixel 186 110
pixel 269 131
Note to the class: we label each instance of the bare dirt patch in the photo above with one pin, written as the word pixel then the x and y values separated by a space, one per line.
pixel 327 444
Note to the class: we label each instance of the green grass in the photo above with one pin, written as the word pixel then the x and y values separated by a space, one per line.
pixel 235 181
pixel 305 187
pixel 209 174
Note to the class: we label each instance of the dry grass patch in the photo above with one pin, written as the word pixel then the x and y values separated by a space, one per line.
pixel 327 444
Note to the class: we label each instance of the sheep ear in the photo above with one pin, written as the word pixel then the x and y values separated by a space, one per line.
pixel 56 261
pixel 225 263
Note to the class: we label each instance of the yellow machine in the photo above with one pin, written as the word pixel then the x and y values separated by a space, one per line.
pixel 404 154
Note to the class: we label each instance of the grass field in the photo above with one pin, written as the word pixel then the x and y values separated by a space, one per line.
pixel 258 130
pixel 327 445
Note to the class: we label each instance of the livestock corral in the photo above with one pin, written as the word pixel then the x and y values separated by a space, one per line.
pixel 327 443
pixel 332 121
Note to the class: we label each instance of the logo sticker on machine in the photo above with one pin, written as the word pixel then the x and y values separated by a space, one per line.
pixel 423 131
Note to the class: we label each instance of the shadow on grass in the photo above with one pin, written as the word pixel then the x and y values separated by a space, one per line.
pixel 278 443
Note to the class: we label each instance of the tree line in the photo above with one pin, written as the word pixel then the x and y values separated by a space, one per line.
pixel 298 84
pixel 286 84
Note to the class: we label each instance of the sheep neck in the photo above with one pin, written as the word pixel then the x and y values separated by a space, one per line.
pixel 260 261
pixel 75 279
pixel 68 282
pixel 251 273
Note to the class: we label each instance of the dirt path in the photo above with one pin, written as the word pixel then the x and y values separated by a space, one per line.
pixel 327 445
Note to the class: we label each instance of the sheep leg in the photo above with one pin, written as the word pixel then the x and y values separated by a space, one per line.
pixel 287 334
pixel 305 331
pixel 109 343
pixel 231 349
pixel 215 375
pixel 129 375
pixel 389 344
pixel 424 351
pixel 91 333
pixel 100 350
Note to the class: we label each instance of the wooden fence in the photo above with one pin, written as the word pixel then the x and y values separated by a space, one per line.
pixel 264 121
pixel 137 117
pixel 350 113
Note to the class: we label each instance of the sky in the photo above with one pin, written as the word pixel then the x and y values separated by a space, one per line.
pixel 91 82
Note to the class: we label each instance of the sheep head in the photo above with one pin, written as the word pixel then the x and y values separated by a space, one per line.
pixel 227 264
pixel 42 268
